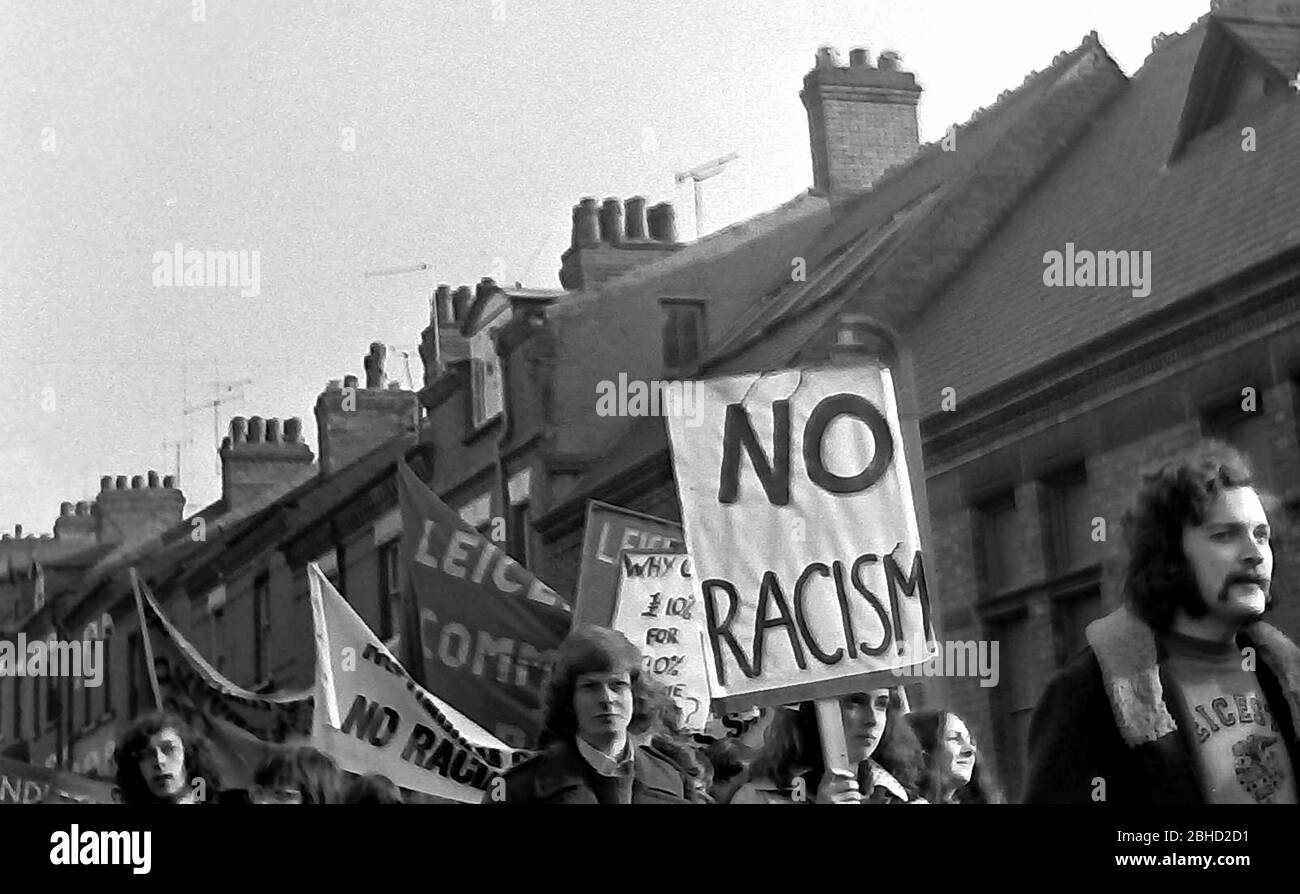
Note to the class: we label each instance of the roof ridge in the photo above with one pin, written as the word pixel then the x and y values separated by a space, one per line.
pixel 583 298
pixel 1057 67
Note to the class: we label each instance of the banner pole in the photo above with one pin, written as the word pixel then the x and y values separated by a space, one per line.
pixel 136 584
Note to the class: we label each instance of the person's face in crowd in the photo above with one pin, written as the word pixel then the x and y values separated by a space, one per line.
pixel 864 722
pixel 603 705
pixel 1230 557
pixel 269 795
pixel 162 765
pixel 956 752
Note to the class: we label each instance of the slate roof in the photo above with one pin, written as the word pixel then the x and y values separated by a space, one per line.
pixel 901 240
pixel 1214 212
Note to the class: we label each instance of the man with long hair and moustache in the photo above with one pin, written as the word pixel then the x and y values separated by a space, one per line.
pixel 1183 695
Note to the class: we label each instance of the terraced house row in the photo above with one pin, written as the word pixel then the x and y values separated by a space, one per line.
pixel 1029 406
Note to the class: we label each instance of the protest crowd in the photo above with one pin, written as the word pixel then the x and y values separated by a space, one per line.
pixel 1128 712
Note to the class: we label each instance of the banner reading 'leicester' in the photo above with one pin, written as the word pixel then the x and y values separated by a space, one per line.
pixel 487 626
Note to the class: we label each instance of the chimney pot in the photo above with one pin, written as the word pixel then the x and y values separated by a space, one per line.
pixel 6 536
pixel 65 509
pixel 273 431
pixel 827 57
pixel 334 385
pixel 137 482
pixel 83 508
pixel 349 381
pixel 238 430
pixel 18 531
pixel 153 479
pixel 442 301
pixel 169 481
pixel 611 222
pixel 256 429
pixel 292 430
pixel 663 222
pixel 106 482
pixel 586 224
pixel 460 302
pixel 121 482
pixel 889 61
pixel 859 58
pixel 634 209
pixel 374 365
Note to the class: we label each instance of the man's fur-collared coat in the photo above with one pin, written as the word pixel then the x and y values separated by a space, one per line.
pixel 1111 720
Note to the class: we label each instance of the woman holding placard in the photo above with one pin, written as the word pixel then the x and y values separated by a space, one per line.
pixel 791 768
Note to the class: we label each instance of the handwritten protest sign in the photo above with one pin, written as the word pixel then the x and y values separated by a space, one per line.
pixel 372 717
pixel 609 531
pixel 657 609
pixel 799 520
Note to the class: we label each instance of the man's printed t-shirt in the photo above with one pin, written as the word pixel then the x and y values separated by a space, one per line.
pixel 1239 752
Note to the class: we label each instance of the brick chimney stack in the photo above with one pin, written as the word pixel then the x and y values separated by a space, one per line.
pixel 75 523
pixel 147 507
pixel 260 460
pixel 352 420
pixel 611 238
pixel 861 120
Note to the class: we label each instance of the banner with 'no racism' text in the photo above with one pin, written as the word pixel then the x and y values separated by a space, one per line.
pixel 371 717
pixel 488 627
pixel 801 529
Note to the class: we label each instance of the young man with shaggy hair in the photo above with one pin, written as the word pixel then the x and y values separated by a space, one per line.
pixel 597 700
pixel 1183 695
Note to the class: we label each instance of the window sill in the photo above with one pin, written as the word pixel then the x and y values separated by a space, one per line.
pixel 478 432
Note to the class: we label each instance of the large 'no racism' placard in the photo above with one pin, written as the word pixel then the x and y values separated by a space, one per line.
pixel 801 527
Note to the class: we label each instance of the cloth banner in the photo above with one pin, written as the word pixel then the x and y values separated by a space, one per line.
pixel 800 524
pixel 486 627
pixel 372 717
pixel 244 727
pixel 22 783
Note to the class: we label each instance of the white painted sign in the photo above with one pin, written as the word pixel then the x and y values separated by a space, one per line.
pixel 658 610
pixel 799 520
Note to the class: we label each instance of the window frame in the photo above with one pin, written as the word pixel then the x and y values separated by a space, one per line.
pixel 261 626
pixel 390 589
pixel 698 314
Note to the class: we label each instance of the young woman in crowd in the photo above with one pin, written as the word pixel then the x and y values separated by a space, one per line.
pixel 952 772
pixel 373 788
pixel 790 768
pixel 160 760
pixel 302 775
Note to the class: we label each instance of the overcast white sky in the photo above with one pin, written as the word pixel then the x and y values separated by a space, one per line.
pixel 478 124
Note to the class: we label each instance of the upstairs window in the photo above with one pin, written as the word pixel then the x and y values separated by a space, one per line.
pixel 487 387
pixel 261 627
pixel 390 588
pixel 683 334
pixel 1242 422
pixel 1069 519
pixel 1000 544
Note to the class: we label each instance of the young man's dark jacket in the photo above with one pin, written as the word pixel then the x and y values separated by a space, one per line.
pixel 1113 714
pixel 560 775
